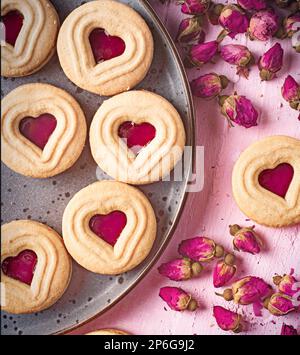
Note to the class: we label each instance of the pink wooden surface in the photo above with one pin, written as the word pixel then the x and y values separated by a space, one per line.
pixel 210 211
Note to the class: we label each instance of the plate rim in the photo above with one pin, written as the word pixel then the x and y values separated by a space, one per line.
pixel 190 142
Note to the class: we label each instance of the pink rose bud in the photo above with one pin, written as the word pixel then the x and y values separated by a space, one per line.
pixel 238 109
pixel 287 284
pixel 214 13
pixel 180 269
pixel 271 62
pixel 209 85
pixel 291 92
pixel 190 31
pixel 252 4
pixel 200 249
pixel 203 53
pixel 227 320
pixel 288 330
pixel 245 239
pixel 177 299
pixel 292 24
pixel 279 304
pixel 238 55
pixel 247 290
pixel 263 25
pixel 224 271
pixel 233 20
pixel 194 7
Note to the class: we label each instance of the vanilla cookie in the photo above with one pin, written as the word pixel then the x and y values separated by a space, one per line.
pixel 43 130
pixel 31 28
pixel 266 181
pixel 109 227
pixel 107 332
pixel 137 137
pixel 105 47
pixel 35 267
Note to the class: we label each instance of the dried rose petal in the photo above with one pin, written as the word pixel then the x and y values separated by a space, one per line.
pixel 249 289
pixel 194 7
pixel 288 330
pixel 252 4
pixel 203 53
pixel 291 92
pixel 227 320
pixel 271 62
pixel 287 284
pixel 177 299
pixel 279 304
pixel 209 85
pixel 224 271
pixel 190 31
pixel 245 239
pixel 214 13
pixel 238 109
pixel 233 20
pixel 291 24
pixel 263 25
pixel 238 55
pixel 200 249
pixel 180 269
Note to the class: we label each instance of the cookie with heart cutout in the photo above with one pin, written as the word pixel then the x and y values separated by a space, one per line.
pixel 105 47
pixel 266 181
pixel 31 28
pixel 107 332
pixel 137 137
pixel 109 227
pixel 35 267
pixel 43 130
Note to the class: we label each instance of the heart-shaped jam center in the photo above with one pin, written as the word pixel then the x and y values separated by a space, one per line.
pixel 136 136
pixel 20 267
pixel 277 180
pixel 13 23
pixel 39 129
pixel 108 227
pixel 104 46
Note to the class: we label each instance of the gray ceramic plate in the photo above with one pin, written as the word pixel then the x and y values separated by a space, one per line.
pixel 44 200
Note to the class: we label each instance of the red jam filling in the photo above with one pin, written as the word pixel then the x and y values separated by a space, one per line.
pixel 108 227
pixel 13 23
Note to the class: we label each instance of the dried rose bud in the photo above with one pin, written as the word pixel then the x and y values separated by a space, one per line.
pixel 177 299
pixel 247 290
pixel 263 25
pixel 214 13
pixel 233 20
pixel 203 53
pixel 180 269
pixel 194 7
pixel 271 62
pixel 228 320
pixel 279 304
pixel 224 271
pixel 291 92
pixel 238 55
pixel 209 85
pixel 291 24
pixel 252 4
pixel 245 239
pixel 200 249
pixel 288 330
pixel 287 284
pixel 238 109
pixel 190 31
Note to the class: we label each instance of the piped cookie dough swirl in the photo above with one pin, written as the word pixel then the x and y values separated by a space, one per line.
pixel 135 240
pixel 66 142
pixel 157 158
pixel 52 272
pixel 112 76
pixel 36 41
